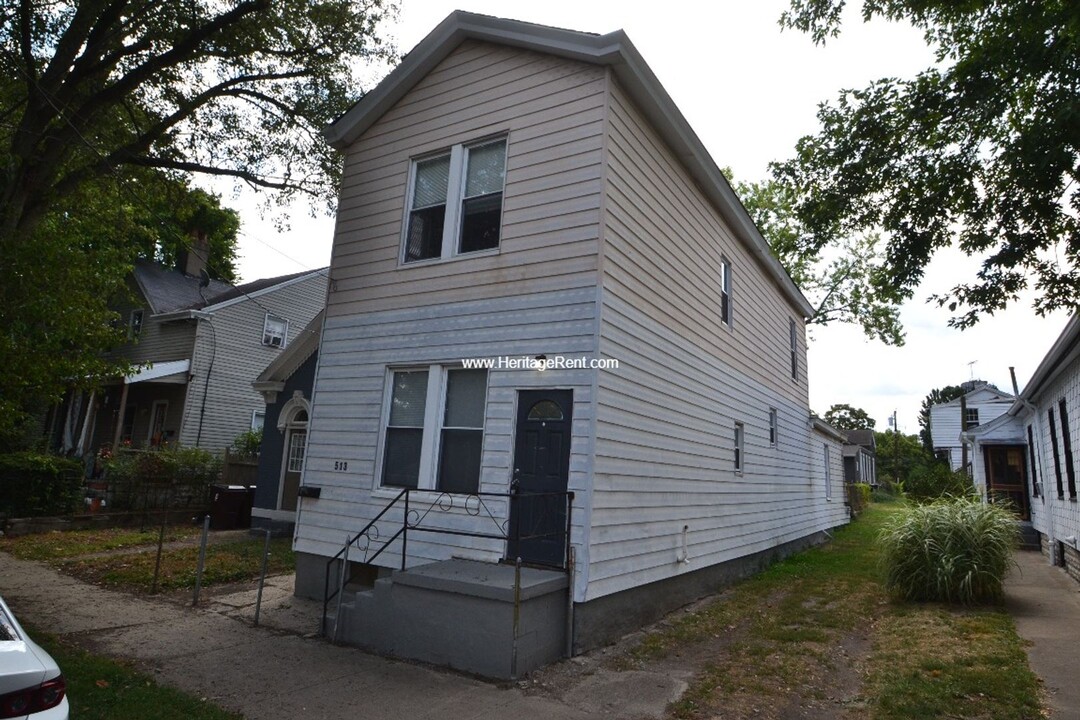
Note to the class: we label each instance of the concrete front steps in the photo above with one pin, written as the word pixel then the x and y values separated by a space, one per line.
pixel 467 615
pixel 1029 536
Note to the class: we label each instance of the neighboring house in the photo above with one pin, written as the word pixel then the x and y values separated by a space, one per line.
pixel 199 344
pixel 1028 456
pixel 860 457
pixel 983 404
pixel 532 195
pixel 286 388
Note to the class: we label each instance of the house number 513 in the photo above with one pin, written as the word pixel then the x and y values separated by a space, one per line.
pixel 341 465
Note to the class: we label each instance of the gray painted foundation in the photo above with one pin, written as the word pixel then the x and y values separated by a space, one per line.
pixel 604 620
pixel 460 614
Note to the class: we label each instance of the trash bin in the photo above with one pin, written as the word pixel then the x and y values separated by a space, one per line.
pixel 230 506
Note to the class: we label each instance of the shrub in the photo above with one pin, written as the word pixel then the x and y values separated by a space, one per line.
pixel 934 480
pixel 248 443
pixel 35 484
pixel 953 550
pixel 881 495
pixel 174 476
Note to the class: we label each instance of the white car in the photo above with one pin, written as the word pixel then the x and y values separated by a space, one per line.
pixel 31 686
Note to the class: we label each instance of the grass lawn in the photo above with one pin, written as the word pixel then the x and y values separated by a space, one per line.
pixel 60 545
pixel 102 689
pixel 819 630
pixel 225 562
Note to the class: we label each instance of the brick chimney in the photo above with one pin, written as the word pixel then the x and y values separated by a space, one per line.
pixel 192 260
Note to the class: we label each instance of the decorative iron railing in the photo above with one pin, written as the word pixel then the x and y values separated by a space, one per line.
pixel 530 517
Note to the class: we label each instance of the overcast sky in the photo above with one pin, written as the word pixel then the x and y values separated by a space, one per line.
pixel 749 91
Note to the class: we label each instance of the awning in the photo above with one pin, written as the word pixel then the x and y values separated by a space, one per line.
pixel 174 371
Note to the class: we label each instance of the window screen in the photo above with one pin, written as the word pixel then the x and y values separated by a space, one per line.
pixel 405 430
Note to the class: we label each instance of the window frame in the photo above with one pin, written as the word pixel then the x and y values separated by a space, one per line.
pixel 774 427
pixel 828 471
pixel 1036 489
pixel 727 299
pixel 135 328
pixel 284 332
pixel 455 197
pixel 255 414
pixel 434 417
pixel 794 343
pixel 968 422
pixel 1057 455
pixel 740 448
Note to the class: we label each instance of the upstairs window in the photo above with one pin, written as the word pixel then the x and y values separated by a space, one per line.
pixel 794 341
pixel 1057 457
pixel 828 472
pixel 773 429
pixel 739 447
pixel 971 419
pixel 275 329
pixel 135 324
pixel 455 202
pixel 725 291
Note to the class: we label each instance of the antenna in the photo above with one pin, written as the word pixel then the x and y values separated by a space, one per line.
pixel 971 369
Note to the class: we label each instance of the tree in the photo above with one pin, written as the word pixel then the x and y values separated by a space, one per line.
pixel 936 396
pixel 107 107
pixel 980 151
pixel 846 286
pixel 846 417
pixel 58 292
pixel 241 89
pixel 899 455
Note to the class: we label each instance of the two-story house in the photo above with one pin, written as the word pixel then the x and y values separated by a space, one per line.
pixel 529 200
pixel 981 403
pixel 197 343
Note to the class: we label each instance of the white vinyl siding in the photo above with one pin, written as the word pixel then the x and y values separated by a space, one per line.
pixel 664 438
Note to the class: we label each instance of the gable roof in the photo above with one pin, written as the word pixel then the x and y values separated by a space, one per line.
pixel 168 290
pixel 861 437
pixel 993 392
pixel 1064 350
pixel 613 50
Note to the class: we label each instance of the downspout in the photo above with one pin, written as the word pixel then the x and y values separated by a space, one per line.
pixel 206 381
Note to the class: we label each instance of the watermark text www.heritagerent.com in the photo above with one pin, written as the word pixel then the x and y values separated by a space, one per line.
pixel 540 362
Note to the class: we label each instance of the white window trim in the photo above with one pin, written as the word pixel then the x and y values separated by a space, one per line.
pixel 284 335
pixel 740 448
pixel 434 414
pixel 727 320
pixel 254 413
pixel 455 189
pixel 828 472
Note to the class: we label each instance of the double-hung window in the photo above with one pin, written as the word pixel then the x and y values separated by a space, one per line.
pixel 971 418
pixel 434 429
pixel 1066 446
pixel 828 472
pixel 1036 489
pixel 773 426
pixel 135 324
pixel 455 202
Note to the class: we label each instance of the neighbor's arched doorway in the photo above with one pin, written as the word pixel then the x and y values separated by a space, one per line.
pixel 293 424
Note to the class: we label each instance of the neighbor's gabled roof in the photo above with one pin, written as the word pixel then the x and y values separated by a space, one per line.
pixel 614 50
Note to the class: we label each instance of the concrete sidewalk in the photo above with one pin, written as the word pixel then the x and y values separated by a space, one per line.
pixel 268 673
pixel 1046 605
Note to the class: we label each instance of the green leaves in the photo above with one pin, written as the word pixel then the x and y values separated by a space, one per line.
pixel 844 283
pixel 846 417
pixel 981 152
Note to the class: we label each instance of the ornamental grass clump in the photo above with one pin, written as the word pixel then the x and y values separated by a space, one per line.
pixel 954 550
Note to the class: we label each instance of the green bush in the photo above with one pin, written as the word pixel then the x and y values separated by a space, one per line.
pixel 248 443
pixel 35 484
pixel 863 491
pixel 928 482
pixel 881 495
pixel 171 476
pixel 953 550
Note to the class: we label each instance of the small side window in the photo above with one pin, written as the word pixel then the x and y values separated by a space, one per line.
pixel 773 429
pixel 725 291
pixel 739 449
pixel 794 341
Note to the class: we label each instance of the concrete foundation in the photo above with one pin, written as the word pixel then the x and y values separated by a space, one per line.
pixel 604 620
pixel 460 614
